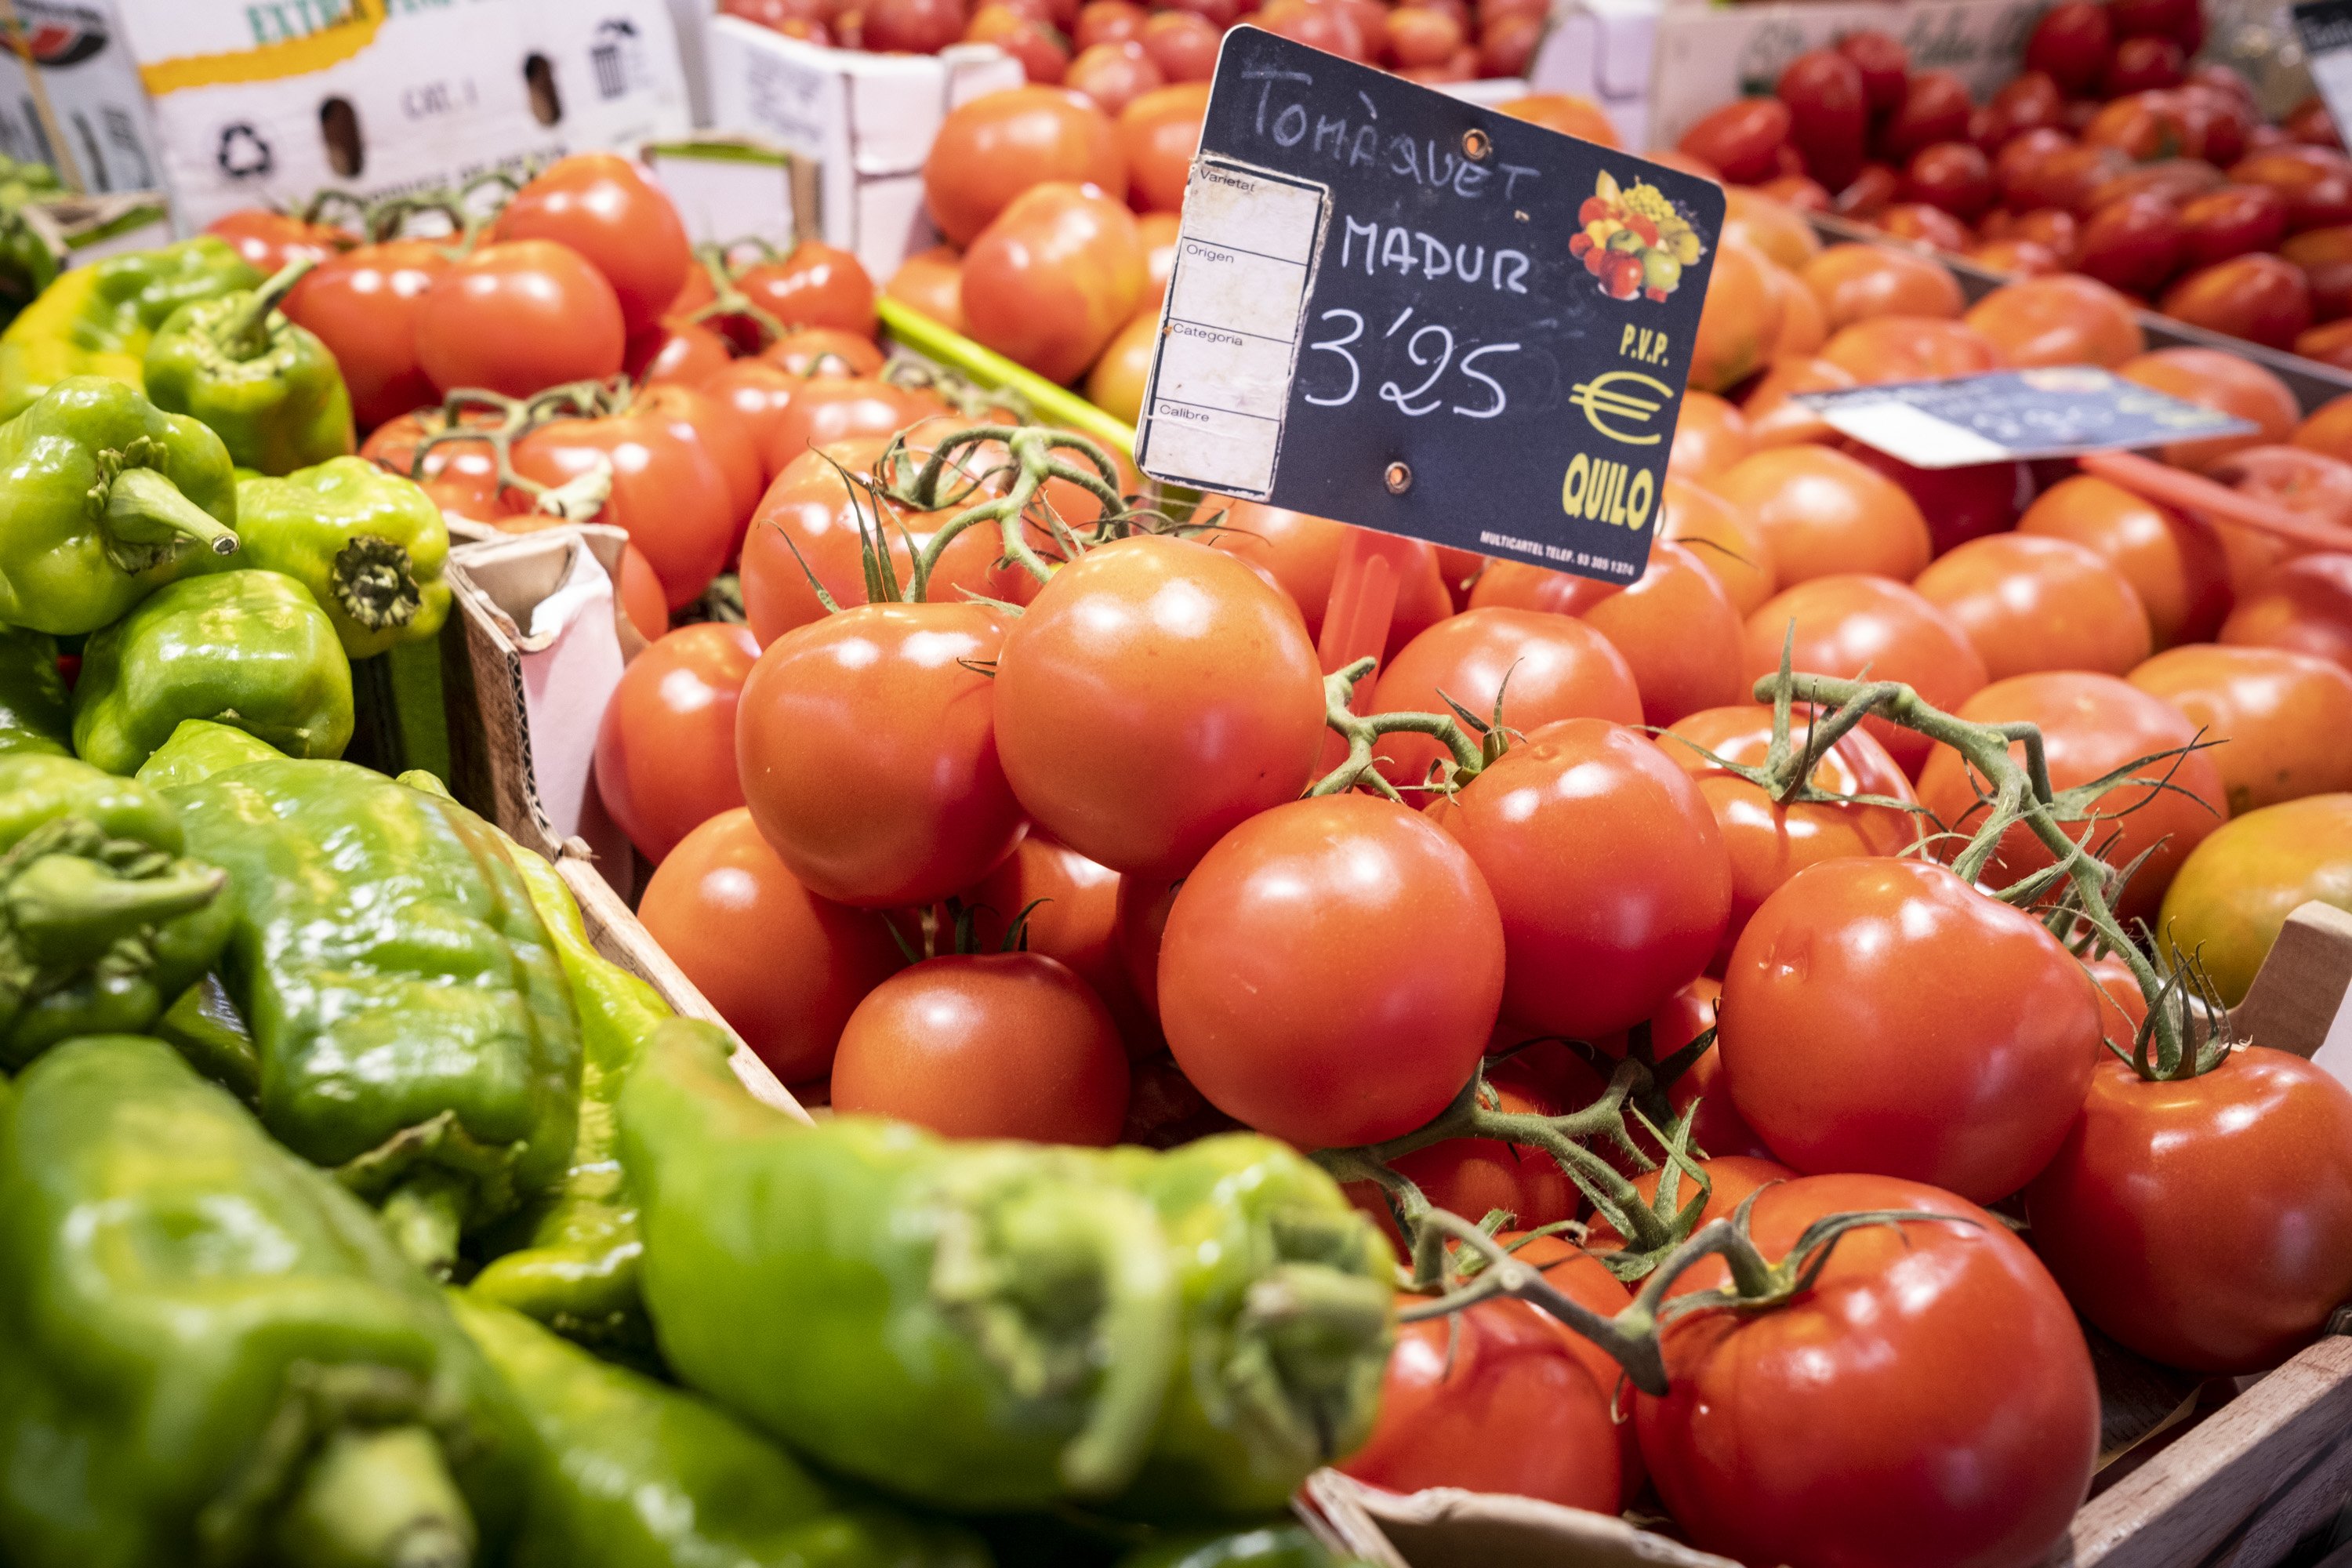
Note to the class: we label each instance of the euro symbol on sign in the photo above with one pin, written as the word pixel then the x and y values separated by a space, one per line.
pixel 1598 397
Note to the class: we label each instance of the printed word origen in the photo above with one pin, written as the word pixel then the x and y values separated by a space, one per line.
pixel 1409 250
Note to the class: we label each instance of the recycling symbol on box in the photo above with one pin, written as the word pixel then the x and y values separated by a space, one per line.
pixel 242 153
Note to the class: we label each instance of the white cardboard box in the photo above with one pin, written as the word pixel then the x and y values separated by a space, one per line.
pixel 867 120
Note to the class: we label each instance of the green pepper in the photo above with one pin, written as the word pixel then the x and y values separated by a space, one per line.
pixel 35 712
pixel 209 1355
pixel 204 1025
pixel 107 499
pixel 250 649
pixel 199 748
pixel 990 1326
pixel 1268 1546
pixel 407 1007
pixel 97 320
pixel 576 1267
pixel 369 544
pixel 102 923
pixel 631 1473
pixel 269 387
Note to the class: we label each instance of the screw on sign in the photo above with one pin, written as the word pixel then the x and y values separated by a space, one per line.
pixel 1387 303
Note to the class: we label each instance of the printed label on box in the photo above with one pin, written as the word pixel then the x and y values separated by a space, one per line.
pixel 2010 415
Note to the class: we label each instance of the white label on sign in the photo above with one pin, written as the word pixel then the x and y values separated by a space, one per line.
pixel 1230 331
pixel 1913 433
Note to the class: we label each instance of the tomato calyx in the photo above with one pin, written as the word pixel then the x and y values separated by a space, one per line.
pixel 729 311
pixel 476 413
pixel 1788 772
pixel 1363 732
pixel 1032 456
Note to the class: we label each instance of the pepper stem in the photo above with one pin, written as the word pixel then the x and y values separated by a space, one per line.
pixel 381 1498
pixel 67 907
pixel 425 1215
pixel 146 514
pixel 244 333
pixel 376 582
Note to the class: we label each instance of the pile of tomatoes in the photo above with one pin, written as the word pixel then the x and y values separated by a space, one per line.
pixel 1113 50
pixel 2107 155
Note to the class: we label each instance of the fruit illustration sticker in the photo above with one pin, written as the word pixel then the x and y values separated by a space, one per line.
pixel 1395 308
pixel 1633 240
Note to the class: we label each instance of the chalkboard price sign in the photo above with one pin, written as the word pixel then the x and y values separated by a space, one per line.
pixel 1400 309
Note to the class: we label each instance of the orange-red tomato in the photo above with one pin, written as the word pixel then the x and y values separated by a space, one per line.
pixel 823 350
pixel 1183 43
pixel 2064 319
pixel 1770 842
pixel 1773 420
pixel 1730 1178
pixel 1301 553
pixel 1113 75
pixel 1710 434
pixel 2305 605
pixel 1470 1176
pixel 365 305
pixel 2032 603
pixel 1959 504
pixel 817 285
pixel 1072 908
pixel 668 493
pixel 825 409
pixel 1848 624
pixel 460 476
pixel 2327 429
pixel 993 148
pixel 676 350
pixel 1826 514
pixel 2261 298
pixel 268 240
pixel 1775 228
pixel 2091 725
pixel 2215 379
pixel 1676 627
pixel 1911 348
pixel 1159 232
pixel 1544 667
pixel 1854 282
pixel 2282 717
pixel 642 599
pixel 1802 329
pixel 694 416
pixel 600 206
pixel 519 317
pixel 1563 112
pixel 1739 324
pixel 1723 538
pixel 759 392
pixel 1053 278
pixel 932 281
pixel 1716 1129
pixel 783 967
pixel 2175 563
pixel 1158 133
pixel 1117 381
pixel 665 748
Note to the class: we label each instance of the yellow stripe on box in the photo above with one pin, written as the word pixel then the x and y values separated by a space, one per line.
pixel 275 60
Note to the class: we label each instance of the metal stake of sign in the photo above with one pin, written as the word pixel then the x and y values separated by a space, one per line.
pixel 69 167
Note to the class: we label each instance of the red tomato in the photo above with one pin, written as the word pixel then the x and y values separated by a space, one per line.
pixel 1473 1177
pixel 1953 176
pixel 1717 1129
pixel 665 749
pixel 817 285
pixel 826 409
pixel 2216 378
pixel 993 148
pixel 1611 874
pixel 2305 606
pixel 1073 909
pixel 669 494
pixel 2316 181
pixel 2280 716
pixel 1107 22
pixel 1331 970
pixel 2071 44
pixel 1731 1178
pixel 1995 1020
pixel 1042 54
pixel 2174 563
pixel 1935 108
pixel 1769 842
pixel 1142 917
pixel 1911 348
pixel 2230 221
pixel 2259 1151
pixel 1555 668
pixel 758 392
pixel 1053 278
pixel 1853 282
pixel 642 599
pixel 700 419
pixel 1499 1399
pixel 1114 74
pixel 2091 725
pixel 783 967
pixel 823 350
pixel 1827 514
pixel 932 281
pixel 2057 321
pixel 1710 434
pixel 676 350
pixel 1848 624
pixel 1959 504
pixel 1857 1425
pixel 1829 113
pixel 2140 65
pixel 519 317
pixel 2262 298
pixel 2030 101
pixel 1726 540
pixel 1158 133
pixel 1741 139
pixel 268 240
pixel 1676 627
pixel 1182 45
pixel 2134 244
pixel 461 477
pixel 998 1045
pixel 1885 63
pixel 2032 603
pixel 868 748
pixel 1155 694
pixel 365 305
pixel 600 206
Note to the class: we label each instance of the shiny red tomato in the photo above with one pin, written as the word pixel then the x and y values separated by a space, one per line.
pixel 2305 605
pixel 1555 668
pixel 2134 244
pixel 1847 625
pixel 1182 45
pixel 818 284
pixel 2091 725
pixel 1769 842
pixel 2064 319
pixel 460 476
pixel 1726 539
pixel 1154 695
pixel 2259 1151
pixel 1044 56
pixel 1053 278
pixel 993 148
pixel 268 240
pixel 760 393
pixel 2279 717
pixel 1497 1399
pixel 665 749
pixel 1608 870
pixel 519 317
pixel 1741 139
pixel 1911 348
pixel 2263 299
pixel 1730 1177
pixel 1858 1425
pixel 1301 553
pixel 2029 603
pixel 2070 43
pixel 1073 916
pixel 1934 109
pixel 599 204
pixel 2175 563
pixel 1881 1016
pixel 910 26
pixel 1716 1130
pixel 701 420
pixel 2029 102
pixel 826 409
pixel 1885 63
pixel 1827 514
pixel 1107 22
pixel 676 350
pixel 1158 134
pixel 867 742
pixel 365 305
pixel 1331 970
pixel 2316 181
pixel 997 1045
pixel 1952 177
pixel 1473 1176
pixel 1829 113
pixel 783 967
pixel 2230 221
pixel 1674 626
pixel 823 350
pixel 669 494
pixel 1959 504
pixel 642 599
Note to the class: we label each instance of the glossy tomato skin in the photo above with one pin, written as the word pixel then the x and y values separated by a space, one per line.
pixel 1608 870
pixel 600 206
pixel 1544 666
pixel 2279 717
pixel 1331 970
pixel 365 305
pixel 1741 139
pixel 2030 602
pixel 1472 1176
pixel 1730 1178
pixel 460 476
pixel 2217 379
pixel 1496 1401
pixel 1829 113
pixel 2236 892
pixel 1847 624
pixel 758 392
pixel 1881 1016
pixel 783 967
pixel 867 742
pixel 1858 1426
pixel 1854 282
pixel 701 420
pixel 1826 513
pixel 517 317
pixel 1716 1130
pixel 2175 563
pixel 993 148
pixel 2091 724
pixel 1726 539
pixel 2261 298
pixel 1959 504
pixel 642 599
pixel 270 240
pixel 2066 320
pixel 829 409
pixel 669 494
pixel 2305 605
pixel 1073 917
pixel 1155 694
pixel 675 352
pixel 665 749
pixel 818 284
pixel 996 1045
pixel 1770 842
pixel 1053 278
pixel 1159 133
pixel 1674 626
pixel 2186 1219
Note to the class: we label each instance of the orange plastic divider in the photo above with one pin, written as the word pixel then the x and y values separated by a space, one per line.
pixel 1363 601
pixel 2215 503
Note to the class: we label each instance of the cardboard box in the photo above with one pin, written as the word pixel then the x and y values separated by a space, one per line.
pixel 223 104
pixel 867 120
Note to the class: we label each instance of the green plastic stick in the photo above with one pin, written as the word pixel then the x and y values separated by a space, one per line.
pixel 993 372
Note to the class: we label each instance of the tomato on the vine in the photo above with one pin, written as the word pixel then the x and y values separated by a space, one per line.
pixel 519 317
pixel 701 420
pixel 460 476
pixel 817 285
pixel 1843 625
pixel 828 408
pixel 600 206
pixel 1072 909
pixel 823 350
pixel 666 747
pixel 1674 626
pixel 1543 667
pixel 270 240
pixel 365 305
pixel 668 493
